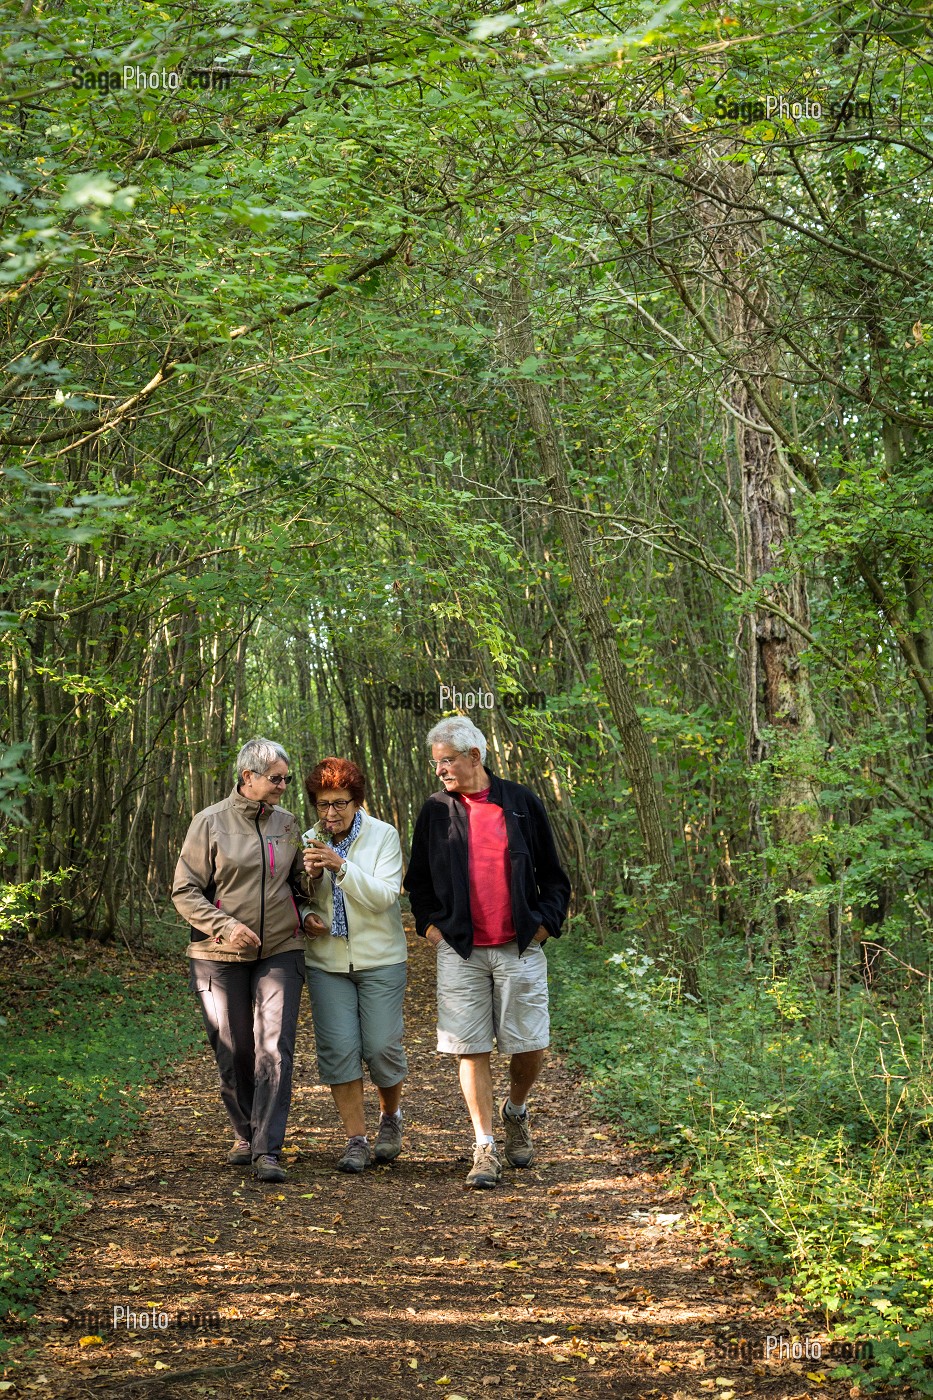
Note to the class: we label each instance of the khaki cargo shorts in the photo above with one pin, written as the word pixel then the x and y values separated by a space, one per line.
pixel 494 995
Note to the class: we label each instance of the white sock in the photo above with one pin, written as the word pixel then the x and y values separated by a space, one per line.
pixel 397 1115
pixel 487 1140
pixel 515 1110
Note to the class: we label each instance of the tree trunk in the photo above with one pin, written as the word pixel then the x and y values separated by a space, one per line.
pixel 636 749
pixel 780 698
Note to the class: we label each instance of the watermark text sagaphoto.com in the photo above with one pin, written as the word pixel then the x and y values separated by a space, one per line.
pixel 781 1347
pixel 119 1318
pixel 460 695
pixel 762 109
pixel 134 79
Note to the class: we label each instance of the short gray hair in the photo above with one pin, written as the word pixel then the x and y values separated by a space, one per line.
pixel 258 755
pixel 460 732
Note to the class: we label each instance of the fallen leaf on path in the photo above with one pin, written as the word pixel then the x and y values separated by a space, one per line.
pixel 92 1341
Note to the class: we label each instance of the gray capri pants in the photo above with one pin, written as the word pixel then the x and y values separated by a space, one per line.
pixel 359 1016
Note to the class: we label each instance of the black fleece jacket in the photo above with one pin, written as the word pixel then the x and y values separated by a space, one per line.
pixel 438 878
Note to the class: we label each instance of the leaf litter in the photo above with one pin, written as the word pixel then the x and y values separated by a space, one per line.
pixel 414 1284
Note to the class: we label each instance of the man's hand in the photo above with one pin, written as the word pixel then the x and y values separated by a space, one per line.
pixel 313 926
pixel 243 937
pixel 433 935
pixel 542 935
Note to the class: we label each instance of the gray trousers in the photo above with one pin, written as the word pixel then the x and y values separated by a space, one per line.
pixel 250 1011
pixel 358 1016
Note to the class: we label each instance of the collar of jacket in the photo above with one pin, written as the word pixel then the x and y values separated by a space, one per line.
pixel 249 806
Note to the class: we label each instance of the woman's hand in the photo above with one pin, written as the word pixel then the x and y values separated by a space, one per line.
pixel 317 859
pixel 433 936
pixel 243 937
pixel 313 926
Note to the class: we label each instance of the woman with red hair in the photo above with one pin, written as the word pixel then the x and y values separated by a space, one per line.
pixel 357 963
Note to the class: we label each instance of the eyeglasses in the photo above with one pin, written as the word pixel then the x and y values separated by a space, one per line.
pixel 435 763
pixel 280 779
pixel 340 805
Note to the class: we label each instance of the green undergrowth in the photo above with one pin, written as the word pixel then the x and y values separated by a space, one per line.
pixel 79 1035
pixel 804 1124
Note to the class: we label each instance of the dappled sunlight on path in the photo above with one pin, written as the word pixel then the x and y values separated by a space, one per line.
pixel 580 1276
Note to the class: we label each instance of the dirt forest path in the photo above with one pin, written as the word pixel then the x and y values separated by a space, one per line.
pixel 580 1276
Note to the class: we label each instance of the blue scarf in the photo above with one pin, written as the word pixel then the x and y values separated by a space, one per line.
pixel 338 927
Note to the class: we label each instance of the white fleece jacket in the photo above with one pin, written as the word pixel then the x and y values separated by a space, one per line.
pixel 370 890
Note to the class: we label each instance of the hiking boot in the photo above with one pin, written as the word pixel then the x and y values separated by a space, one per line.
pixel 267 1168
pixel 486 1168
pixel 240 1154
pixel 388 1142
pixel 357 1157
pixel 519 1151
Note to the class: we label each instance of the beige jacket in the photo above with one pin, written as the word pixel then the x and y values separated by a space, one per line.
pixel 370 890
pixel 239 864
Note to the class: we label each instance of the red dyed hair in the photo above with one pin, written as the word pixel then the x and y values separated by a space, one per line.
pixel 334 773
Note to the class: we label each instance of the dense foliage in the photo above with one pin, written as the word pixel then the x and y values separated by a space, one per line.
pixel 807 1136
pixel 563 352
pixel 69 1083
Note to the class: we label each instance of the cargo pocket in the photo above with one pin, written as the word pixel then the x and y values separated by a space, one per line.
pixel 199 978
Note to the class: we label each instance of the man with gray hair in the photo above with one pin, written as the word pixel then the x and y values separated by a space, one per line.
pixel 487 889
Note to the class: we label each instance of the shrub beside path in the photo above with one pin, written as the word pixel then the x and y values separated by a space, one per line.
pixel 582 1275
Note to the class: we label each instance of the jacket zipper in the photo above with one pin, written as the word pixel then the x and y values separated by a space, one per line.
pixel 262 886
pixel 346 915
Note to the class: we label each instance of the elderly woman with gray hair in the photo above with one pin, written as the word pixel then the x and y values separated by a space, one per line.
pixel 235 883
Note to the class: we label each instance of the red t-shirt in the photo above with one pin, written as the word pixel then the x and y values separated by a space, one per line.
pixel 490 872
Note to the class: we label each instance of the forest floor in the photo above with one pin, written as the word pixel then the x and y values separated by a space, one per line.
pixel 583 1275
